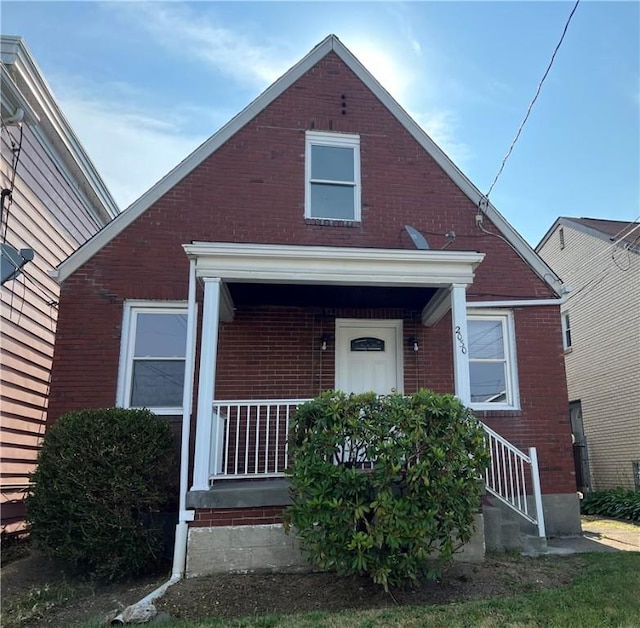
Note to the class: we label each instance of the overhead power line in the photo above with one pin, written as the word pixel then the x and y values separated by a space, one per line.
pixel 526 117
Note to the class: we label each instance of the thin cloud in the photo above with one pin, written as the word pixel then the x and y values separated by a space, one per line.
pixel 131 148
pixel 197 35
pixel 441 127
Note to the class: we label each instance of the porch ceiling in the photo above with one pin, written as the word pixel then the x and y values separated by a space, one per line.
pixel 329 295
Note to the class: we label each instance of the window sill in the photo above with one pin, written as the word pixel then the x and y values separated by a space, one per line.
pixel 330 222
pixel 568 350
pixel 504 412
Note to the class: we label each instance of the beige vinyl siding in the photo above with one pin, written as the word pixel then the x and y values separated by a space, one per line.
pixel 49 216
pixel 603 364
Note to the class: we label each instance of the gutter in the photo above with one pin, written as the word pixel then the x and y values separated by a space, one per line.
pixel 143 608
pixel 520 302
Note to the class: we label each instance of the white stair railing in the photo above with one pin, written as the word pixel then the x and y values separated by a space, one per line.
pixel 250 441
pixel 512 476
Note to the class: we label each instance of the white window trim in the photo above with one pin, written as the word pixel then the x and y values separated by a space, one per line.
pixel 127 344
pixel 566 328
pixel 340 140
pixel 509 337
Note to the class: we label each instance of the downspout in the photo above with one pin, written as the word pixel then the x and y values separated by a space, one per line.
pixel 184 515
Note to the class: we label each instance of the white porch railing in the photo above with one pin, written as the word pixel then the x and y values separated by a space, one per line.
pixel 510 475
pixel 250 440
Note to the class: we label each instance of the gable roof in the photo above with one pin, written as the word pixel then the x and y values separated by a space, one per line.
pixel 24 87
pixel 331 43
pixel 626 234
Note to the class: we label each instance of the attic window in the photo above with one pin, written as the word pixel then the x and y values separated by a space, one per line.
pixel 332 171
pixel 561 234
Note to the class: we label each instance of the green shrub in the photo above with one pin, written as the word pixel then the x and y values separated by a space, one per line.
pixel 420 495
pixel 102 478
pixel 618 504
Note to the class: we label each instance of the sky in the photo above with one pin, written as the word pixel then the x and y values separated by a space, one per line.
pixel 144 83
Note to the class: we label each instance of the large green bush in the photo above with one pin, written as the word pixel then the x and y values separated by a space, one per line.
pixel 102 478
pixel 618 503
pixel 386 519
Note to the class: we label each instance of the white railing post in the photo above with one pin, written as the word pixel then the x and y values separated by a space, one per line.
pixel 460 343
pixel 206 384
pixel 537 493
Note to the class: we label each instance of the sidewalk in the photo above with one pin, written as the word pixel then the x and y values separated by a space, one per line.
pixel 598 535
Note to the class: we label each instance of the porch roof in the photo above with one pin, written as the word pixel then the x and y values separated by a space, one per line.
pixel 344 266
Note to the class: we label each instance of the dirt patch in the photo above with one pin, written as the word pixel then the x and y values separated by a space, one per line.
pixel 37 592
pixel 256 594
pixel 253 594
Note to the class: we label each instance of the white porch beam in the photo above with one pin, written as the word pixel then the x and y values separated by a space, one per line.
pixel 460 343
pixel 265 263
pixel 438 306
pixel 206 383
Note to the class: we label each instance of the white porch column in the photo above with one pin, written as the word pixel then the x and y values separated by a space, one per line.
pixel 460 343
pixel 206 383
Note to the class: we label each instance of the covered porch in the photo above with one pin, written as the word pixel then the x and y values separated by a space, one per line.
pixel 246 438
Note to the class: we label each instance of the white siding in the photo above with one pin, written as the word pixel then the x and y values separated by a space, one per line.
pixel 603 364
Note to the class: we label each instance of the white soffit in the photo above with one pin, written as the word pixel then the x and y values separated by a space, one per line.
pixel 331 43
pixel 264 263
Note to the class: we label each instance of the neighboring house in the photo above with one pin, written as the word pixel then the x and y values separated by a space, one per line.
pixel 273 263
pixel 600 261
pixel 57 201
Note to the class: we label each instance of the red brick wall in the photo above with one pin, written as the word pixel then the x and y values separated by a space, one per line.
pixel 210 517
pixel 252 190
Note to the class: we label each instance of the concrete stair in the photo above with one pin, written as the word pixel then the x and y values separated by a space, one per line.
pixel 505 530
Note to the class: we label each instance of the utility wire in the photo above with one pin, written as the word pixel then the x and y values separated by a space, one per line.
pixel 616 240
pixel 526 117
pixel 7 193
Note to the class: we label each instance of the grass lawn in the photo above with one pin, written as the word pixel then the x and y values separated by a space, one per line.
pixel 606 594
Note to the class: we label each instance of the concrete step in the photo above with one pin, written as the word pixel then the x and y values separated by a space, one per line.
pixel 533 545
pixel 505 530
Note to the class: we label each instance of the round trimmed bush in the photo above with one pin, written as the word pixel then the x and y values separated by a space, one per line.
pixel 381 485
pixel 102 479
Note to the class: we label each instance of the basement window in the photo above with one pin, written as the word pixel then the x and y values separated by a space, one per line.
pixel 492 362
pixel 332 176
pixel 152 360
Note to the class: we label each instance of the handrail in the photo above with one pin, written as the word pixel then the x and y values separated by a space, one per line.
pixel 250 440
pixel 507 474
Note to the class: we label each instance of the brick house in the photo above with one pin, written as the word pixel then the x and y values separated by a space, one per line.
pixel 274 263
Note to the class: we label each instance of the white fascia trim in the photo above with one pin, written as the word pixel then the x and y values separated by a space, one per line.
pixel 517 302
pixel 12 99
pixel 15 53
pixel 266 263
pixel 235 124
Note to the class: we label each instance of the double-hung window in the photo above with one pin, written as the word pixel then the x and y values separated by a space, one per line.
pixel 153 353
pixel 566 331
pixel 492 361
pixel 332 167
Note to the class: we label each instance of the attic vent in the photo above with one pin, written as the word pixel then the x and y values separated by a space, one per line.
pixel 561 234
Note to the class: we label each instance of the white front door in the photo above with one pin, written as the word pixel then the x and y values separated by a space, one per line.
pixel 369 356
